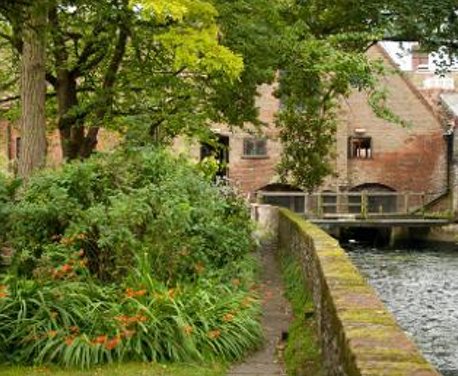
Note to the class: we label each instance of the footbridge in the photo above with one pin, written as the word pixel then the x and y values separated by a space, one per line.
pixel 366 208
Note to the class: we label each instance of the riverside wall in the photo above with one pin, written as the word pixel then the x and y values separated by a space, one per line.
pixel 358 335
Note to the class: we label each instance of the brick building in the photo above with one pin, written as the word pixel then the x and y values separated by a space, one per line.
pixel 371 153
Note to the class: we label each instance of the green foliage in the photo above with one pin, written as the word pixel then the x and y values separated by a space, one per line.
pixel 432 23
pixel 323 59
pixel 127 256
pixel 112 64
pixel 302 354
pixel 253 29
pixel 317 75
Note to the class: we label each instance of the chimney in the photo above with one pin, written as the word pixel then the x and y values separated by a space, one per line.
pixel 420 59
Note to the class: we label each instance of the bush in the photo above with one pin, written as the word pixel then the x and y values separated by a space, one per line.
pixel 132 255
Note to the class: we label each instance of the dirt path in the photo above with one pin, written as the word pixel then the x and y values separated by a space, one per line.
pixel 275 321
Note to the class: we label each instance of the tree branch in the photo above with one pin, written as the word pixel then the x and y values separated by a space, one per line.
pixel 109 81
pixel 59 51
pixel 92 48
pixel 48 95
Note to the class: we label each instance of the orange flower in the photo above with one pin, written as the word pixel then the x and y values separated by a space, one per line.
pixel 131 293
pixel 3 292
pixel 123 319
pixel 74 329
pixel 246 302
pixel 67 268
pixel 112 343
pixel 52 333
pixel 69 341
pixel 126 333
pixel 228 317
pixel 141 318
pixel 100 339
pixel 188 329
pixel 171 293
pixel 213 334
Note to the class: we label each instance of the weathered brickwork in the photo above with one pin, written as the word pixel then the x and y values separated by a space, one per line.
pixel 248 173
pixel 358 335
pixel 409 158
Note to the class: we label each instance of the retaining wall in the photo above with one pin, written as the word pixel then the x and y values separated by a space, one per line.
pixel 358 335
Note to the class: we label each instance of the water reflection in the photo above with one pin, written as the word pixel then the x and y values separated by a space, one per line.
pixel 420 286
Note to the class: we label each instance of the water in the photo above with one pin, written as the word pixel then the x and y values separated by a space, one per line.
pixel 420 287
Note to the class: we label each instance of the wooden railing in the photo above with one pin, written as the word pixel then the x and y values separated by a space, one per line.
pixel 362 205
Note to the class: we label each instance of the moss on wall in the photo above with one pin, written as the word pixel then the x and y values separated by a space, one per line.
pixel 358 336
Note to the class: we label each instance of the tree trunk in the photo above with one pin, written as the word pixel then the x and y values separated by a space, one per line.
pixel 33 92
pixel 71 133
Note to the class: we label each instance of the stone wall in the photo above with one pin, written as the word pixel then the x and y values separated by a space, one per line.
pixel 358 335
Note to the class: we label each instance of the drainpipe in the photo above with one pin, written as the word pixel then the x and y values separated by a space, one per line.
pixel 449 137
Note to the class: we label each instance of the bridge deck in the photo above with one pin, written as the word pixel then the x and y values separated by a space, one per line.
pixel 383 222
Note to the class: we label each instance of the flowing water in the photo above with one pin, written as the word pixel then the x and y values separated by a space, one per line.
pixel 420 286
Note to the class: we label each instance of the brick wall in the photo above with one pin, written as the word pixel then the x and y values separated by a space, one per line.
pixel 409 158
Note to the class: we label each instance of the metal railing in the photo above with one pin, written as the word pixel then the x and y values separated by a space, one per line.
pixel 361 205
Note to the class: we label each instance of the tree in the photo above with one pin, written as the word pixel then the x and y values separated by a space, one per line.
pixel 140 65
pixel 33 91
pixel 253 29
pixel 31 44
pixel 322 59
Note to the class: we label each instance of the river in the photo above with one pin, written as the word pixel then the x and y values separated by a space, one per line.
pixel 419 284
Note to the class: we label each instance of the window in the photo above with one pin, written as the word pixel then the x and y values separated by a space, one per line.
pixel 254 147
pixel 360 147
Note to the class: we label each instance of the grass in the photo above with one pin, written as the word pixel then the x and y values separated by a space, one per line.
pixel 302 353
pixel 125 369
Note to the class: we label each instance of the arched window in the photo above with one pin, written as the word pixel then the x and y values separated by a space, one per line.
pixel 380 198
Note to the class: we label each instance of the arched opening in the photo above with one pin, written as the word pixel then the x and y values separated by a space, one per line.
pixel 284 195
pixel 380 198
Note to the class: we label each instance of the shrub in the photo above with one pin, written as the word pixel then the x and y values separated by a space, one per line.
pixel 131 255
pixel 112 205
